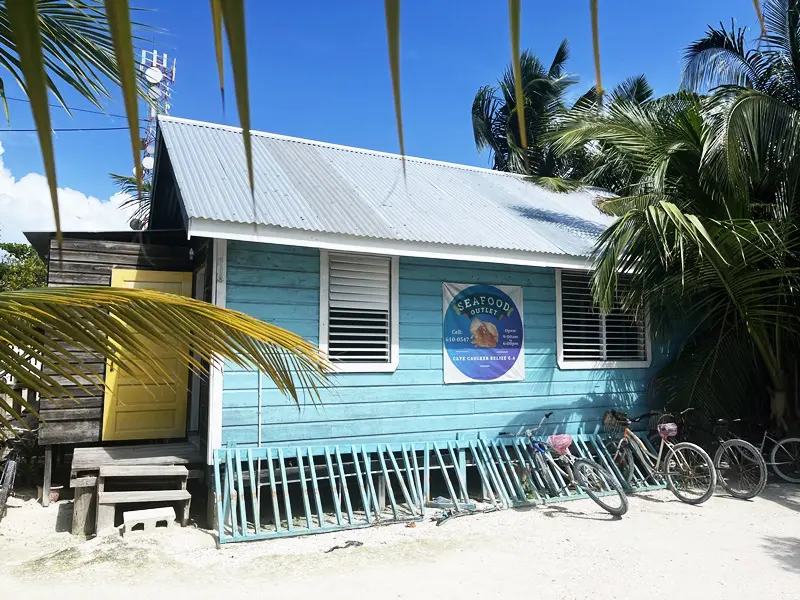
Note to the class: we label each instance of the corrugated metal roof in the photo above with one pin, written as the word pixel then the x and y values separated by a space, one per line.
pixel 318 187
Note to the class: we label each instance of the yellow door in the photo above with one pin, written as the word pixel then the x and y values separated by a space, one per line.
pixel 155 409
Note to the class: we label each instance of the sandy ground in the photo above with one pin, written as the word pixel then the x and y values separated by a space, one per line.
pixel 725 548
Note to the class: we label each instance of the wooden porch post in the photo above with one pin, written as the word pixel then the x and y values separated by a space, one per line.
pixel 48 472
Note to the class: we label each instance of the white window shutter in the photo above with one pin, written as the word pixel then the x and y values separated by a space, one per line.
pixel 359 308
pixel 582 324
pixel 587 335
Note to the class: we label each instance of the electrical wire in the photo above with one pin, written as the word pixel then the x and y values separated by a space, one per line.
pixel 61 129
pixel 83 110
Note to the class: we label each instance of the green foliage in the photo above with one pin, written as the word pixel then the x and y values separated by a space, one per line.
pixel 495 116
pixel 707 211
pixel 20 267
pixel 137 198
pixel 120 324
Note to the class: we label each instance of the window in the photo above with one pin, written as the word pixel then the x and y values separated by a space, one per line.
pixel 358 311
pixel 589 339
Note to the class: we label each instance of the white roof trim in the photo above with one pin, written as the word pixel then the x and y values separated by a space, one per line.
pixel 270 234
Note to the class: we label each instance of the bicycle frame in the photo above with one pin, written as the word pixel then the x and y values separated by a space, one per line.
pixel 764 439
pixel 651 461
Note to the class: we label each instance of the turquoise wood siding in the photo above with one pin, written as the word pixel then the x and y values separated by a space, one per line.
pixel 281 285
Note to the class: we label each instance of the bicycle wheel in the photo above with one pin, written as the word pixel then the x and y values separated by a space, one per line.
pixel 6 484
pixel 741 469
pixel 785 459
pixel 600 486
pixel 622 455
pixel 690 473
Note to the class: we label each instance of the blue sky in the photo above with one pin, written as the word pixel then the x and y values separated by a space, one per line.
pixel 318 69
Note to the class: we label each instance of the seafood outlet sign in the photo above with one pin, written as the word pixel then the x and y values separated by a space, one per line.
pixel 483 333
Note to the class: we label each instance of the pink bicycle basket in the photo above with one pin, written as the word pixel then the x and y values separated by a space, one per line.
pixel 667 430
pixel 560 442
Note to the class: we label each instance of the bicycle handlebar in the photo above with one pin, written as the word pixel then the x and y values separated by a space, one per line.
pixel 529 432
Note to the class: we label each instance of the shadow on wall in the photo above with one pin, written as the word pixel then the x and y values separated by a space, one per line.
pixel 583 412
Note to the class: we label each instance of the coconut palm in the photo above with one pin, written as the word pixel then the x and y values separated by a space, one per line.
pixel 602 165
pixel 706 237
pixel 495 123
pixel 708 227
pixel 137 199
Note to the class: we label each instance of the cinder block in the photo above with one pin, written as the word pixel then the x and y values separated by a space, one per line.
pixel 139 521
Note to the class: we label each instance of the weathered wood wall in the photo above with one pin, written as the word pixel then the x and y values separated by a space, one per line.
pixel 88 261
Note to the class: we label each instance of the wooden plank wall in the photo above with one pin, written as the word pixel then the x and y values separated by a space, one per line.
pixel 281 285
pixel 88 262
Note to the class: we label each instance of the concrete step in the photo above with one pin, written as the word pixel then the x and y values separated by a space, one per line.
pixel 142 496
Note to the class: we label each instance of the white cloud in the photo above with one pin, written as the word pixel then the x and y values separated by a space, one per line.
pixel 25 206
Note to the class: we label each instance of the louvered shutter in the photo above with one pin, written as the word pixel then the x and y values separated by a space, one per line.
pixel 359 308
pixel 588 335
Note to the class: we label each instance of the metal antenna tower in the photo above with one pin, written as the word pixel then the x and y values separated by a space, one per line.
pixel 159 76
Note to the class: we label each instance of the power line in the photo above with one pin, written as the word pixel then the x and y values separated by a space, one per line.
pixel 83 110
pixel 60 129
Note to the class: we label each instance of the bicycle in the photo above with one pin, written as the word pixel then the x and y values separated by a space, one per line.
pixel 687 468
pixel 784 457
pixel 8 475
pixel 12 450
pixel 741 468
pixel 553 460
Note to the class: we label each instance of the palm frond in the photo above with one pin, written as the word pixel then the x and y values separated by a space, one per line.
pixel 25 25
pixel 120 324
pixel 558 66
pixel 119 23
pixel 392 8
pixel 556 184
pixel 598 80
pixel 635 89
pixel 216 20
pixel 516 68
pixel 139 200
pixel 720 57
pixel 234 22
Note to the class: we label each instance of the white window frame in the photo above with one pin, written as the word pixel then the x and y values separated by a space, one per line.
pixel 394 316
pixel 596 364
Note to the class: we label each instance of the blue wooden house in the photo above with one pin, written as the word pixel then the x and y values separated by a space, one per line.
pixel 453 301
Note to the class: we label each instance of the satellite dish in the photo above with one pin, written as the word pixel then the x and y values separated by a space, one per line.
pixel 148 162
pixel 153 75
pixel 136 224
pixel 155 92
pixel 134 171
pixel 151 149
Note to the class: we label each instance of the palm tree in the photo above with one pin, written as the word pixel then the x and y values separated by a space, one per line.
pixel 706 239
pixel 495 121
pixel 496 127
pixel 139 200
pixel 602 165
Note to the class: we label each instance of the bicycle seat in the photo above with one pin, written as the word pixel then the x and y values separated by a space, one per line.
pixel 667 430
pixel 560 443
